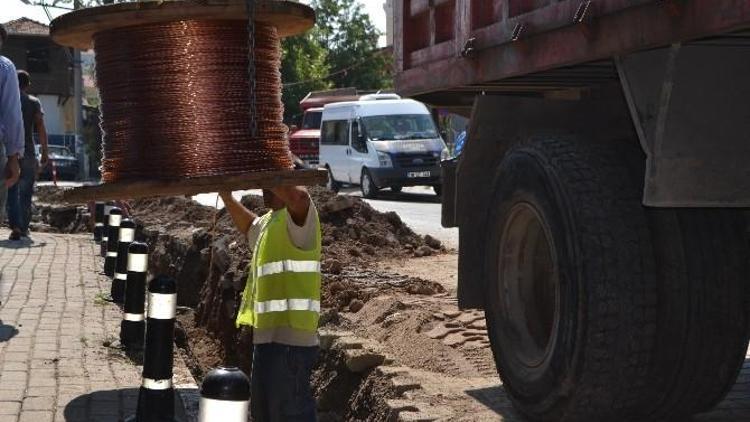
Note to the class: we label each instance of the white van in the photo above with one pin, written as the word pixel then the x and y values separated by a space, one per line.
pixel 381 141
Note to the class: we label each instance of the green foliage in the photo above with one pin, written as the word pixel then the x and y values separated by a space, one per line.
pixel 304 61
pixel 342 51
pixel 352 42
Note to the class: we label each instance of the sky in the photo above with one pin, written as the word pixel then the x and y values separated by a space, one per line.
pixel 13 9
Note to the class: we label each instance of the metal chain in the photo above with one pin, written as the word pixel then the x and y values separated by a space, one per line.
pixel 251 66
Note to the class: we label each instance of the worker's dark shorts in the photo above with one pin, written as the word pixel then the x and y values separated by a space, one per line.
pixel 281 383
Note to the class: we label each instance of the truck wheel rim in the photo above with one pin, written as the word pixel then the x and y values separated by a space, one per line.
pixel 529 287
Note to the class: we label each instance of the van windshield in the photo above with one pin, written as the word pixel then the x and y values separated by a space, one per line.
pixel 399 127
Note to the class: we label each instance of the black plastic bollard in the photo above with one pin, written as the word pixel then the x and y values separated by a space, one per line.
pixel 105 230
pixel 225 396
pixel 156 395
pixel 98 221
pixel 133 324
pixel 113 236
pixel 126 236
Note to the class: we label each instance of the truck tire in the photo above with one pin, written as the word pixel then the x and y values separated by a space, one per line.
pixel 702 326
pixel 572 297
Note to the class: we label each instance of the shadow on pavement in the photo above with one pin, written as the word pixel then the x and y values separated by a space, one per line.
pixel 25 242
pixel 116 406
pixel 7 332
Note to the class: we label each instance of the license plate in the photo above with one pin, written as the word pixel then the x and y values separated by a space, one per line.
pixel 416 174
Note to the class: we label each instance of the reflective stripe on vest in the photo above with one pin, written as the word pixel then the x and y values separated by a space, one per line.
pixel 283 305
pixel 289 266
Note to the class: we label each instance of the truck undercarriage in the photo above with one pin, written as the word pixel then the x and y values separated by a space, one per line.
pixel 600 197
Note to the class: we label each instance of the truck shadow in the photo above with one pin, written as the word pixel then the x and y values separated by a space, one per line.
pixel 497 401
pixel 734 407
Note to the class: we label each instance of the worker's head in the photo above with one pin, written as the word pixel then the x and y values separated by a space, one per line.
pixel 271 200
pixel 3 35
pixel 24 80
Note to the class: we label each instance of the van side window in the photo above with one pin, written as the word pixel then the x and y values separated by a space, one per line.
pixel 358 139
pixel 334 132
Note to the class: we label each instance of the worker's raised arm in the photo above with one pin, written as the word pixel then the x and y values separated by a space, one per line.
pixel 241 216
pixel 297 201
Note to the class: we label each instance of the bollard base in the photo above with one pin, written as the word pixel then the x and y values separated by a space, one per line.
pixel 154 406
pixel 132 334
pixel 109 266
pixel 118 291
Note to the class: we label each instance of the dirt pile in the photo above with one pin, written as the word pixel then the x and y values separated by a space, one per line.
pixel 185 243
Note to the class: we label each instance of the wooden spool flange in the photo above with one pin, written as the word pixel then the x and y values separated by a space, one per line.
pixel 77 30
pixel 194 186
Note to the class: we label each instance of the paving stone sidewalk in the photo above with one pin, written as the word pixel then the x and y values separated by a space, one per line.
pixel 55 331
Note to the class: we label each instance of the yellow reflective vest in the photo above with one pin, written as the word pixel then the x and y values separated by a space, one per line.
pixel 283 288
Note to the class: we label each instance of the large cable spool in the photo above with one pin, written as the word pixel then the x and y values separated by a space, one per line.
pixel 191 103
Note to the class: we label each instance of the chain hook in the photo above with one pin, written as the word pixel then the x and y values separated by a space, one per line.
pixel 251 67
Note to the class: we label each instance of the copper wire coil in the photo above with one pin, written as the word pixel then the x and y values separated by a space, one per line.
pixel 175 101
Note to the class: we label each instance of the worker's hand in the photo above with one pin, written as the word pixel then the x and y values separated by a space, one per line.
pixel 296 199
pixel 225 195
pixel 12 171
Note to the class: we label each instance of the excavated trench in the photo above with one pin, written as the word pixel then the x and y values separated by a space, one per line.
pixel 210 264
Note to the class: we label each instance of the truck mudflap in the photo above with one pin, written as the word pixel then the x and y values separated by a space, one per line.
pixel 448 174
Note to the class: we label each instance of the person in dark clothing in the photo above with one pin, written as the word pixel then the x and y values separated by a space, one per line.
pixel 19 196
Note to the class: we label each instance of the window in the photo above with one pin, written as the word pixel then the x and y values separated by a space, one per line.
pixel 358 139
pixel 400 127
pixel 311 120
pixel 335 132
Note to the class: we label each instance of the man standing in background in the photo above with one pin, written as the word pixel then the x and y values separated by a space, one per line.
pixel 11 125
pixel 19 196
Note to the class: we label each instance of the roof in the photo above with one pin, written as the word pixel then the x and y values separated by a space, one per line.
pixel 26 26
pixel 335 111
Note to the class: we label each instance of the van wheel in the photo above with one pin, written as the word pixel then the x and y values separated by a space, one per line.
pixel 332 184
pixel 396 189
pixel 369 190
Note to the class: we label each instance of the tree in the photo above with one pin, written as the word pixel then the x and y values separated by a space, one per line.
pixel 304 62
pixel 352 43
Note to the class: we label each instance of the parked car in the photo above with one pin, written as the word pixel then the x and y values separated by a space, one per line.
pixel 65 163
pixel 381 141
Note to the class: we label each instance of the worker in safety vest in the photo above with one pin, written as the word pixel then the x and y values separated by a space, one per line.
pixel 281 301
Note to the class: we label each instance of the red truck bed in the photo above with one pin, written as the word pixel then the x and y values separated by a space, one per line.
pixel 490 45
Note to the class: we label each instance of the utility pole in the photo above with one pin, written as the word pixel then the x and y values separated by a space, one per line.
pixel 78 107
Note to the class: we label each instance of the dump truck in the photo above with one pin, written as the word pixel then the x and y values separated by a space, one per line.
pixel 600 196
pixel 304 142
